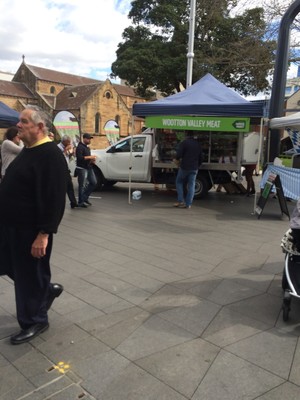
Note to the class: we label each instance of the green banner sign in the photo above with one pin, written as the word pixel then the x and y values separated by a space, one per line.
pixel 219 124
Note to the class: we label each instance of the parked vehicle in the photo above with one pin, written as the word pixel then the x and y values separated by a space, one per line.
pixel 148 157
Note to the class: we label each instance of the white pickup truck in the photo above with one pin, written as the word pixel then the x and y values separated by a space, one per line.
pixel 149 158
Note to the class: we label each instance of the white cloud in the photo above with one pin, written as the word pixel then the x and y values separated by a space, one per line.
pixel 74 36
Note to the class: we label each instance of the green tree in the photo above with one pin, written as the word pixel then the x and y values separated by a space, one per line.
pixel 233 48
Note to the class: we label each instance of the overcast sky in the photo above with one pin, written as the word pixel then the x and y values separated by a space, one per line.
pixel 74 36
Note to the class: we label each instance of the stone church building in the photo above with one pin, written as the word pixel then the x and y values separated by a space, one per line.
pixel 101 108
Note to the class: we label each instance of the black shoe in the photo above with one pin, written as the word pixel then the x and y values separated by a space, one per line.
pixel 82 205
pixel 88 202
pixel 73 205
pixel 25 335
pixel 55 290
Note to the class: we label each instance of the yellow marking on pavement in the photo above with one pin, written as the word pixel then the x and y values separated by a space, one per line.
pixel 62 367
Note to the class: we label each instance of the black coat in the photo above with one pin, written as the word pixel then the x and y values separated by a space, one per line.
pixel 190 154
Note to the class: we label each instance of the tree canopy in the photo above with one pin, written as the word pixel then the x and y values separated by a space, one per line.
pixel 232 47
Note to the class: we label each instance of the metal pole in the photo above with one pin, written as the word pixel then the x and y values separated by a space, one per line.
pixel 190 53
pixel 280 73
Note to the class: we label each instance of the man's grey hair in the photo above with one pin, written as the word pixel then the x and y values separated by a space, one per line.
pixel 40 115
pixel 65 137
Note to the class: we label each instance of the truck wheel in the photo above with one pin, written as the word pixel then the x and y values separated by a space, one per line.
pixel 109 184
pixel 99 178
pixel 201 187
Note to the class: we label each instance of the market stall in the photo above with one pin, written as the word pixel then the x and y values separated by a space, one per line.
pixel 207 106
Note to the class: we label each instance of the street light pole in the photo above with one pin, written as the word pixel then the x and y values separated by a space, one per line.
pixel 279 77
pixel 190 53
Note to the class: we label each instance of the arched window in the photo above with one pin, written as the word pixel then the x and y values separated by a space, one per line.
pixel 52 90
pixel 108 94
pixel 97 123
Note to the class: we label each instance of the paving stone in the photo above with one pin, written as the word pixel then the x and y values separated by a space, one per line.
pixel 276 287
pixel 284 391
pixel 71 393
pixel 229 268
pixel 75 268
pixel 295 367
pixel 194 317
pixel 13 384
pixel 119 305
pixel 120 331
pixel 143 282
pixel 274 267
pixel 260 280
pixel 201 285
pixel 59 389
pixel 154 335
pixel 112 268
pixel 229 327
pixel 265 308
pixel 8 324
pixel 166 298
pixel 99 371
pixel 71 345
pixel 13 353
pixel 277 355
pixel 116 379
pixel 146 280
pixel 106 282
pixel 68 303
pixel 98 297
pixel 35 367
pixel 83 314
pixel 181 367
pixel 229 292
pixel 232 378
pixel 152 272
pixel 107 321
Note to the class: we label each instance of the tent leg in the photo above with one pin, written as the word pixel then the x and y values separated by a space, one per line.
pixel 130 161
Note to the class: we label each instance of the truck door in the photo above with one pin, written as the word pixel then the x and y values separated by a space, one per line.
pixel 118 160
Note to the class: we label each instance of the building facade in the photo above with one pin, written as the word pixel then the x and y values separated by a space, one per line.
pixel 100 108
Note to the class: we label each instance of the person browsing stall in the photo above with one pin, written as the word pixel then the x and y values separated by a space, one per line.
pixel 84 170
pixel 189 154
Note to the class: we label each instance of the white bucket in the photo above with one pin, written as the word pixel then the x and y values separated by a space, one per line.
pixel 136 195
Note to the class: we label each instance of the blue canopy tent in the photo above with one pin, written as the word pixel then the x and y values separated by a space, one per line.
pixel 206 97
pixel 8 116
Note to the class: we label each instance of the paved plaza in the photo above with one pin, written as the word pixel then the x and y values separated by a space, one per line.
pixel 160 304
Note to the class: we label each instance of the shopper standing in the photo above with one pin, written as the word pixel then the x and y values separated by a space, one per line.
pixel 84 170
pixel 189 155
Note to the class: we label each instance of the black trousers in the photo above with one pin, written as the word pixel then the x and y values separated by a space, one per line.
pixel 31 275
pixel 296 236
